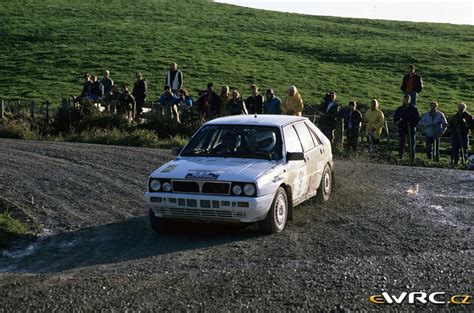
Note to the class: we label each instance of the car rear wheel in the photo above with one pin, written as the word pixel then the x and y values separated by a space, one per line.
pixel 158 224
pixel 325 187
pixel 277 216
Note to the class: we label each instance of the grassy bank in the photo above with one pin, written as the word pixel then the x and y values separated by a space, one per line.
pixel 47 46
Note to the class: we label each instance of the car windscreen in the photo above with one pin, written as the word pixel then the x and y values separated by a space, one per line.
pixel 237 141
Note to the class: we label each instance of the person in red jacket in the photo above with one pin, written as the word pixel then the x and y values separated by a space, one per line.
pixel 412 84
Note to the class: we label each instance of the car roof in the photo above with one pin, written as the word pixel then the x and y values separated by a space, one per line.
pixel 261 120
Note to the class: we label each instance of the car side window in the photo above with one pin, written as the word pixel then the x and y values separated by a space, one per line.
pixel 305 136
pixel 292 141
pixel 315 137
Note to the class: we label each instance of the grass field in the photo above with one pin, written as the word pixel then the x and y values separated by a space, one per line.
pixel 46 46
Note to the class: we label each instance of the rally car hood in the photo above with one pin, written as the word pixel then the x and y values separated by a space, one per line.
pixel 212 168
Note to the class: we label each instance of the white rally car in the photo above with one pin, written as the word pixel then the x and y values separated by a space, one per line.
pixel 244 169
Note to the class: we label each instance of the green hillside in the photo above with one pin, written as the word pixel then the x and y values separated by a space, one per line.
pixel 46 46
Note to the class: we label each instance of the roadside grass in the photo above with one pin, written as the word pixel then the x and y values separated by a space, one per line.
pixel 10 228
pixel 47 46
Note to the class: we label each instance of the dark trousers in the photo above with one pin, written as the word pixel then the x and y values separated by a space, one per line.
pixel 352 139
pixel 410 139
pixel 329 133
pixel 139 108
pixel 458 141
pixel 432 148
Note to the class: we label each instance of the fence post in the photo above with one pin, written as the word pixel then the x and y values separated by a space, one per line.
pixel 2 109
pixel 47 111
pixel 32 108
pixel 339 135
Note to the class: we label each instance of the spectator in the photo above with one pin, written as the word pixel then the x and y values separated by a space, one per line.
pixel 127 104
pixel 293 103
pixel 412 84
pixel 107 82
pixel 112 98
pixel 434 123
pixel 225 98
pixel 184 99
pixel 236 105
pixel 375 122
pixel 97 89
pixel 174 78
pixel 353 122
pixel 329 114
pixel 209 102
pixel 86 88
pixel 407 117
pixel 254 102
pixel 272 104
pixel 169 100
pixel 140 91
pixel 459 124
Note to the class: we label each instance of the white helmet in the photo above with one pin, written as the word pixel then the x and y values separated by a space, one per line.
pixel 266 140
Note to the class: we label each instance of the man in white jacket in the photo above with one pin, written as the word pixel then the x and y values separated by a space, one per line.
pixel 434 123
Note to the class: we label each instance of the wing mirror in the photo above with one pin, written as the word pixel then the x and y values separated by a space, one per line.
pixel 295 156
pixel 176 150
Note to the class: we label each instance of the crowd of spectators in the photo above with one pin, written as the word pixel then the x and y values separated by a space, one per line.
pixel 175 102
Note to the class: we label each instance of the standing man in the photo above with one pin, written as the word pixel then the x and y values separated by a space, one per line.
pixel 255 101
pixel 353 122
pixel 174 78
pixel 435 125
pixel 107 82
pixel 412 84
pixel 140 91
pixel 407 117
pixel 329 113
pixel 273 104
pixel 459 123
pixel 293 103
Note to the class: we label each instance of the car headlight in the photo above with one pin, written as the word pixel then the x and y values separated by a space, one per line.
pixel 155 185
pixel 167 187
pixel 237 190
pixel 249 189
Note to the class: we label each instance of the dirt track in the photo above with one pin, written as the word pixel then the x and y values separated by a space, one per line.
pixel 98 251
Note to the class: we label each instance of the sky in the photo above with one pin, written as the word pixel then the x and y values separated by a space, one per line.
pixel 454 12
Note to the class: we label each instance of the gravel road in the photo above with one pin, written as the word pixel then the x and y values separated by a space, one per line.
pixel 96 251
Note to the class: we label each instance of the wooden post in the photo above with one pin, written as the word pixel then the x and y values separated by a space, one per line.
pixel 339 134
pixel 2 109
pixel 46 117
pixel 32 108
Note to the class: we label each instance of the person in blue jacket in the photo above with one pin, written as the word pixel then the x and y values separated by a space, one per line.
pixel 434 123
pixel 272 104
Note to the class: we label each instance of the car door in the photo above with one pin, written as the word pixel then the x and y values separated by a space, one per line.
pixel 321 155
pixel 296 169
pixel 311 154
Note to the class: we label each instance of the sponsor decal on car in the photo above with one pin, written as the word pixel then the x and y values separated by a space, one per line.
pixel 198 174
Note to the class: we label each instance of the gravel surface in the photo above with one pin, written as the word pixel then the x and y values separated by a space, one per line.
pixel 96 251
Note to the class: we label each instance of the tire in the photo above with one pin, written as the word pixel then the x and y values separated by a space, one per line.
pixel 158 224
pixel 325 187
pixel 277 217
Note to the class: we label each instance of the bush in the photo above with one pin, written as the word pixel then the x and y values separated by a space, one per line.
pixel 136 138
pixel 10 228
pixel 17 130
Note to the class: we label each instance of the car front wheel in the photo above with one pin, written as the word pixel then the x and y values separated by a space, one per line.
pixel 277 216
pixel 325 187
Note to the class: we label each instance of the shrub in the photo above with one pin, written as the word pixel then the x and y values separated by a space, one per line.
pixel 17 130
pixel 10 228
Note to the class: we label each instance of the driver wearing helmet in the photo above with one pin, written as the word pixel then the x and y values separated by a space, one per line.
pixel 228 144
pixel 266 140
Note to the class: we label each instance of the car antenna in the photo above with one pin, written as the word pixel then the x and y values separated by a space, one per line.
pixel 255 115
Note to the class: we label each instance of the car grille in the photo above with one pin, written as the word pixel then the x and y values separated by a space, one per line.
pixel 214 188
pixel 185 186
pixel 189 212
